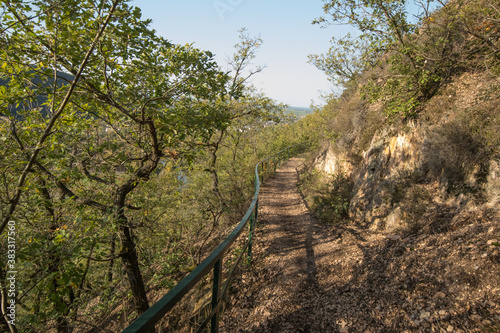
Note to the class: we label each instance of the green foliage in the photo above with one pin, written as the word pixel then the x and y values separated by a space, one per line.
pixel 419 55
pixel 460 149
pixel 298 112
pixel 345 60
pixel 124 160
pixel 329 198
pixel 92 101
pixel 394 85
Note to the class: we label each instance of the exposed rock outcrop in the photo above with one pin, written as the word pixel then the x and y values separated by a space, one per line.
pixel 395 188
pixel 388 161
pixel 332 163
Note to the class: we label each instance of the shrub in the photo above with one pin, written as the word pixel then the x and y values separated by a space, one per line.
pixel 329 200
pixel 455 150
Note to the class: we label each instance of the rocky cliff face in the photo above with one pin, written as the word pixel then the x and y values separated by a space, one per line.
pixel 376 201
pixel 331 163
pixel 395 188
pixel 428 174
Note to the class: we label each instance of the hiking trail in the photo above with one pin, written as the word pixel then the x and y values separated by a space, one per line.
pixel 310 277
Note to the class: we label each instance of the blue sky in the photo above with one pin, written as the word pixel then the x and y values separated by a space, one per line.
pixel 284 26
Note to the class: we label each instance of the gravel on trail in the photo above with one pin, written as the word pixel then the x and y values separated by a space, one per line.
pixel 311 277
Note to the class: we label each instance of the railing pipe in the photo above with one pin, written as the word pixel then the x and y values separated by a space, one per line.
pixel 250 234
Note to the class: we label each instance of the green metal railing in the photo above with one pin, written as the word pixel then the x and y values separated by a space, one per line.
pixel 146 322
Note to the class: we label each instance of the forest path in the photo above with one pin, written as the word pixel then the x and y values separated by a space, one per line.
pixel 310 277
pixel 284 291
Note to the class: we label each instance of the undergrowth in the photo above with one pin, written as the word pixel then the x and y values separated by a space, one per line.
pixel 327 197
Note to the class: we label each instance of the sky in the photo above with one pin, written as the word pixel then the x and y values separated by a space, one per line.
pixel 283 25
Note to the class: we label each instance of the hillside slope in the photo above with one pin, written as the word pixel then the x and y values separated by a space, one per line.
pixel 311 277
pixel 422 170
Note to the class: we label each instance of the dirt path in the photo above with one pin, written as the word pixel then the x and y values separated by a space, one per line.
pixel 281 290
pixel 308 277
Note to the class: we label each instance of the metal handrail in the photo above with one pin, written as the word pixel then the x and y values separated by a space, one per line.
pixel 145 322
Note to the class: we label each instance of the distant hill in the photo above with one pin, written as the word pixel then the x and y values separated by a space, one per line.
pixel 298 112
pixel 40 96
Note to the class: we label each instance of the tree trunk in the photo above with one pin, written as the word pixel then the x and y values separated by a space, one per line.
pixel 112 262
pixel 128 251
pixel 131 266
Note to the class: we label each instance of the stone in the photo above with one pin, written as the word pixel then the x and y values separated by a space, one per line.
pixel 450 329
pixel 439 295
pixel 393 237
pixel 476 318
pixel 393 220
pixel 424 315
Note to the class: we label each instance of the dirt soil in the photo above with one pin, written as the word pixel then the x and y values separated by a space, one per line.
pixel 310 277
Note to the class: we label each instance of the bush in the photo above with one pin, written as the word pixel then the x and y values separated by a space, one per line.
pixel 456 150
pixel 329 200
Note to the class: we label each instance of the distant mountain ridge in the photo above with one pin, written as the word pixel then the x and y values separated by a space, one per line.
pixel 40 98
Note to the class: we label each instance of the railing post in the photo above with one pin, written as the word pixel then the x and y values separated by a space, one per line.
pixel 214 327
pixel 256 210
pixel 250 235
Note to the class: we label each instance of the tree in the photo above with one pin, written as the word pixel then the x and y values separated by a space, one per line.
pixel 238 109
pixel 345 61
pixel 132 97
pixel 389 33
